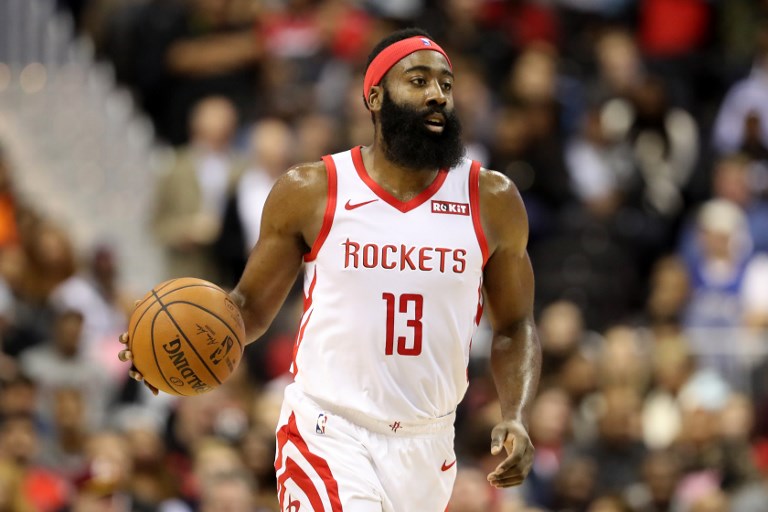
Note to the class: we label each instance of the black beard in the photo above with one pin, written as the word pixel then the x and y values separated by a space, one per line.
pixel 408 142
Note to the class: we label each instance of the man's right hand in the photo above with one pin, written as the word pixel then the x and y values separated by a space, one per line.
pixel 126 355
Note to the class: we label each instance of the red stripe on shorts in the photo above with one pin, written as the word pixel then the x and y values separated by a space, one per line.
pixel 302 480
pixel 290 432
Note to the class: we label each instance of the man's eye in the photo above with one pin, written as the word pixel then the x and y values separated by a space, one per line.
pixel 418 81
pixel 447 86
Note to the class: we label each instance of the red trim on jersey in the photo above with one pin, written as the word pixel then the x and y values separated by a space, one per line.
pixel 290 432
pixel 474 206
pixel 479 313
pixel 330 209
pixel 300 335
pixel 405 207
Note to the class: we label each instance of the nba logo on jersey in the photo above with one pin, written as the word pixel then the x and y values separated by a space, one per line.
pixel 426 41
pixel 322 419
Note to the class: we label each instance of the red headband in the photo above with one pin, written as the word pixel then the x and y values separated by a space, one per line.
pixel 390 56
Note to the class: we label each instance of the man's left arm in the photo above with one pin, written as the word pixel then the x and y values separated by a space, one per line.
pixel 515 351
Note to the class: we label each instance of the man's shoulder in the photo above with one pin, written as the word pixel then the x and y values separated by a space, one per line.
pixel 502 208
pixel 495 185
pixel 305 178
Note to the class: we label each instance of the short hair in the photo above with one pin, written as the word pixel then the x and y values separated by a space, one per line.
pixel 397 35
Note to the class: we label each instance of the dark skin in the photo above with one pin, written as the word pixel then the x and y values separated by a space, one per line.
pixel 293 216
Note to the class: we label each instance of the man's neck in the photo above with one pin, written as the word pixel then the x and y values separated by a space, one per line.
pixel 402 182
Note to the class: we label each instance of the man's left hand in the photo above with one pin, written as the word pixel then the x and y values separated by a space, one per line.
pixel 512 435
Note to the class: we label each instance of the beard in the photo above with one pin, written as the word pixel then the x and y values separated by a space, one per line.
pixel 408 142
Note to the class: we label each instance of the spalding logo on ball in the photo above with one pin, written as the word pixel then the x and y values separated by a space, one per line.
pixel 186 336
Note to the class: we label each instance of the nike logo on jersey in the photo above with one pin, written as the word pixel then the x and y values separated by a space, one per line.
pixel 446 466
pixel 350 206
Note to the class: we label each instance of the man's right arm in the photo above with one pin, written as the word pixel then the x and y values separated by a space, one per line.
pixel 291 221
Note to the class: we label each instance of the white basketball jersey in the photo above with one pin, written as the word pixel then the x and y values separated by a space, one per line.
pixel 392 295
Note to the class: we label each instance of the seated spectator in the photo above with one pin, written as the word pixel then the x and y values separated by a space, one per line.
pixel 735 178
pixel 748 97
pixel 12 497
pixel 231 491
pixel 717 266
pixel 20 447
pixel 617 451
pixel 656 490
pixel 61 362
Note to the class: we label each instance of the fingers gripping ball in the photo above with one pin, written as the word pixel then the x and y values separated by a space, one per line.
pixel 186 336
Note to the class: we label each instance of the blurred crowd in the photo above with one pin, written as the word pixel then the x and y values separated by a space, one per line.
pixel 637 133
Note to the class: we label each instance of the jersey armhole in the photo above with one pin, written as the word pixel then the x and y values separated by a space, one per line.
pixel 330 209
pixel 474 207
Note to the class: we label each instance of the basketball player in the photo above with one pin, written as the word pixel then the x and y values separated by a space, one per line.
pixel 399 240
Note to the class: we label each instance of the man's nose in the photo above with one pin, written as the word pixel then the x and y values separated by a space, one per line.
pixel 436 96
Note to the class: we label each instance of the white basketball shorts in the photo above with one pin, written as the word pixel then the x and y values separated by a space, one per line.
pixel 329 461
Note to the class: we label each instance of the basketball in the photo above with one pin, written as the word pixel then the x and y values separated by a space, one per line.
pixel 186 336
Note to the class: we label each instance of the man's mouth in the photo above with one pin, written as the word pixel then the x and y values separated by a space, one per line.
pixel 435 122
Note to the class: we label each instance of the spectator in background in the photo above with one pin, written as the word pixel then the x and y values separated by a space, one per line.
pixel 745 105
pixel 47 262
pixel 619 63
pixel 575 484
pixel 102 485
pixel 669 289
pixel 87 292
pixel 64 445
pixel 656 490
pixel 465 27
pixel 12 497
pixel 474 106
pixel 718 265
pixel 734 178
pixel 184 51
pixel 609 503
pixel 563 335
pixel 257 448
pixel 192 194
pixel 599 160
pixel 213 458
pixel 672 366
pixel 271 149
pixel 723 273
pixel 471 492
pixel 44 489
pixel 61 362
pixel 617 451
pixel 533 157
pixel 711 457
pixel 9 234
pixel 672 51
pixel 18 395
pixel 316 134
pixel 550 427
pixel 294 46
pixel 228 492
pixel 151 484
pixel 665 145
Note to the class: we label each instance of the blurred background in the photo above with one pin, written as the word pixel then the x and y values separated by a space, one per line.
pixel 138 141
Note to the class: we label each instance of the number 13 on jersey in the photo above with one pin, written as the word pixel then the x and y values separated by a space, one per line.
pixel 414 302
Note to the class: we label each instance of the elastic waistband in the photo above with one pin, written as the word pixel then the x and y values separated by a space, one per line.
pixel 394 427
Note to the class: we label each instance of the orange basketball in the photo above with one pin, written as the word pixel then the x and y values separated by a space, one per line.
pixel 186 336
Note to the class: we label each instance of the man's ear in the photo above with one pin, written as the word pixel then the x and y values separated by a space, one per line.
pixel 375 97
